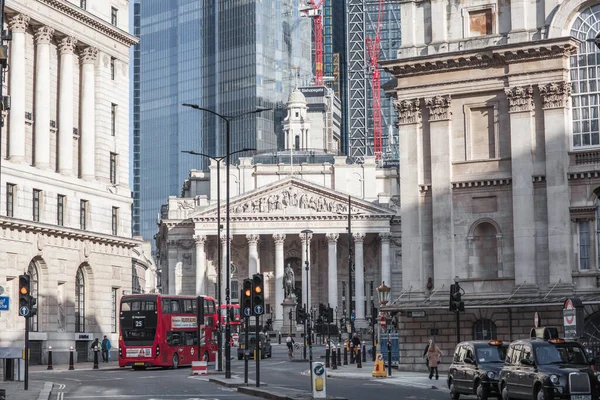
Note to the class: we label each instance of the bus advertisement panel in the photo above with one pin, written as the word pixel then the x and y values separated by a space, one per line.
pixel 162 331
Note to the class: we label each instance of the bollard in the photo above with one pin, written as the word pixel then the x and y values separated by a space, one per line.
pixel 49 357
pixel 339 357
pixel 389 347
pixel 352 358
pixel 333 358
pixel 345 356
pixel 374 351
pixel 358 359
pixel 327 352
pixel 71 367
pixel 364 353
pixel 2 394
pixel 95 357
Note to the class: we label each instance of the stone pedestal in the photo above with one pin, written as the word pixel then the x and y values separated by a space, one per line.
pixel 289 326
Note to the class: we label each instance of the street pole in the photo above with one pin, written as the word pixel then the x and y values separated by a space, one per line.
pixel 220 264
pixel 350 264
pixel 228 258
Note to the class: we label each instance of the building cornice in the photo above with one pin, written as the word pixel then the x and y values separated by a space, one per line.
pixel 481 183
pixel 68 233
pixel 494 56
pixel 76 13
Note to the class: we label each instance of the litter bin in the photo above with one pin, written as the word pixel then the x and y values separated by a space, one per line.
pixel 14 365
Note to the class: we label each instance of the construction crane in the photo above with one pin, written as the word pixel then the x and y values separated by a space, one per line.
pixel 313 10
pixel 373 48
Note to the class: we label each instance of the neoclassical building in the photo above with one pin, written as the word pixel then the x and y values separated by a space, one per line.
pixel 273 199
pixel 498 114
pixel 65 206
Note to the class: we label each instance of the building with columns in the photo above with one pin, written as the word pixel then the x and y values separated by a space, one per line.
pixel 499 156
pixel 65 205
pixel 271 204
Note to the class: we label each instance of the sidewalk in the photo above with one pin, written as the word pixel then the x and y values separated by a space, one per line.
pixel 37 390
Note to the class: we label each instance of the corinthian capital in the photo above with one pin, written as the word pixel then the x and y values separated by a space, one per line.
pixel 385 237
pixel 252 238
pixel 409 111
pixel 439 107
pixel 67 45
pixel 359 237
pixel 555 94
pixel 520 98
pixel 279 238
pixel 44 35
pixel 19 23
pixel 89 55
pixel 332 237
pixel 199 239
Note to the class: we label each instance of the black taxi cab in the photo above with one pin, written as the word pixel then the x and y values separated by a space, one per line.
pixel 475 367
pixel 546 367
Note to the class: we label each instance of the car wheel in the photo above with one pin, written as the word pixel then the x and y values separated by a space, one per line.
pixel 481 392
pixel 175 361
pixel 453 394
pixel 505 393
pixel 540 395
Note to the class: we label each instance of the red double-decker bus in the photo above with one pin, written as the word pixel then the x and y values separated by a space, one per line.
pixel 162 331
pixel 235 322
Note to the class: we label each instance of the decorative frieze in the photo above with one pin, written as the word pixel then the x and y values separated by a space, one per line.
pixel 439 107
pixel 409 111
pixel 67 45
pixel 555 94
pixel 44 35
pixel 584 175
pixel 481 183
pixel 89 55
pixel 19 23
pixel 520 98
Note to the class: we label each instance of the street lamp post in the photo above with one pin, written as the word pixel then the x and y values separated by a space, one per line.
pixel 219 260
pixel 307 232
pixel 227 119
pixel 383 292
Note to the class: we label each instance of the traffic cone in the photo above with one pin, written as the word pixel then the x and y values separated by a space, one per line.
pixel 379 368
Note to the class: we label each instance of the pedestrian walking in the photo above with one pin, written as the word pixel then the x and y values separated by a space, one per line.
pixel 355 343
pixel 105 349
pixel 434 356
pixel 425 354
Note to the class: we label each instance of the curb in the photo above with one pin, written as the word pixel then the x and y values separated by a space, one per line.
pixel 278 396
pixel 46 391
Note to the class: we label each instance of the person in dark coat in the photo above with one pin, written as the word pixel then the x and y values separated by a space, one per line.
pixel 425 354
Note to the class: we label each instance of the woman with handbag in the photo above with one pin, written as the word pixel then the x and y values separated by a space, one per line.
pixel 434 355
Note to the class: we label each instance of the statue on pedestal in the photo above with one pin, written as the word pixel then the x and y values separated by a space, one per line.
pixel 289 282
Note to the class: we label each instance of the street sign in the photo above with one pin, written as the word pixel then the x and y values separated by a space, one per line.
pixel 258 310
pixel 352 317
pixel 247 312
pixel 319 370
pixel 4 303
pixel 570 323
pixel 382 322
pixel 416 314
pixel 24 311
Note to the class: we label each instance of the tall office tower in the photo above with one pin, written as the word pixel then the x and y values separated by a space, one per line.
pixel 362 24
pixel 223 56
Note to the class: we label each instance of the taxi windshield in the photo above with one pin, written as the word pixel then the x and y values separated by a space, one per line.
pixel 567 353
pixel 490 354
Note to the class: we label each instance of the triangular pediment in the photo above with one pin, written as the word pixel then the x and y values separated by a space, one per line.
pixel 295 197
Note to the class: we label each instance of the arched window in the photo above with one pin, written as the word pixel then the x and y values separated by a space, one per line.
pixel 484 329
pixel 80 301
pixel 584 78
pixel 32 271
pixel 483 251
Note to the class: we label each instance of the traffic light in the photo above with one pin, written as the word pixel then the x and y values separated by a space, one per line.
pixel 25 295
pixel 258 299
pixel 247 297
pixel 299 315
pixel 330 315
pixel 456 303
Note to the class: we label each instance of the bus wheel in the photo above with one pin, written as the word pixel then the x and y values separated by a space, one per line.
pixel 175 361
pixel 206 357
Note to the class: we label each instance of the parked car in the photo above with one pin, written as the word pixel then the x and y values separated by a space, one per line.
pixel 545 367
pixel 475 367
pixel 264 341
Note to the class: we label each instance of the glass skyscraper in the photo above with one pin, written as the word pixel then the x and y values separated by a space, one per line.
pixel 227 56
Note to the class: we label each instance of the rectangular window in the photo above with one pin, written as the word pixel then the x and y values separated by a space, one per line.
pixel 11 190
pixel 36 204
pixel 60 210
pixel 584 245
pixel 480 22
pixel 83 210
pixel 113 16
pixel 113 168
pixel 112 68
pixel 115 220
pixel 113 119
pixel 114 310
pixel 83 4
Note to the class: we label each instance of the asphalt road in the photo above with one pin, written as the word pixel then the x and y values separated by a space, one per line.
pixel 166 384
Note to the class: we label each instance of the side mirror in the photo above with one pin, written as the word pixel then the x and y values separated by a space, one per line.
pixel 469 360
pixel 526 361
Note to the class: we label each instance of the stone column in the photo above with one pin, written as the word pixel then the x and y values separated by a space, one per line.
pixel 16 148
pixel 441 194
pixel 439 17
pixel 520 101
pixel 65 106
pixel 332 238
pixel 306 297
pixel 386 268
pixel 359 279
pixel 279 239
pixel 41 150
pixel 555 98
pixel 410 128
pixel 252 254
pixel 200 240
pixel 88 110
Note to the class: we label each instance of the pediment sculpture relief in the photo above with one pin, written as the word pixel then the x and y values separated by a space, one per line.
pixel 291 198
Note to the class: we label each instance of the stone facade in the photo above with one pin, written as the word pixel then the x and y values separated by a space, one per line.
pixel 65 206
pixel 498 165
